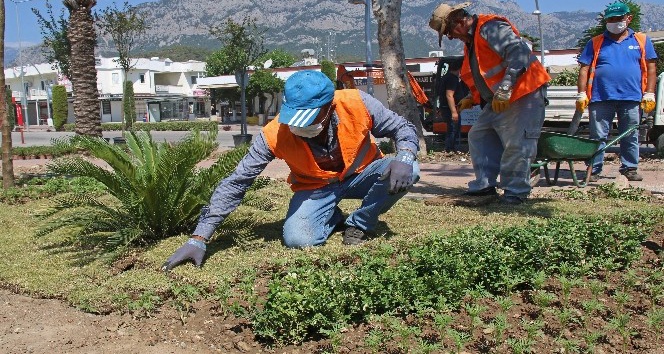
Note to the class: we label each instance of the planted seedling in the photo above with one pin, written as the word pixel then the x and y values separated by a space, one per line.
pixel 505 303
pixel 596 287
pixel 520 345
pixel 474 311
pixel 459 338
pixel 621 324
pixel 533 328
pixel 591 307
pixel 656 322
pixel 500 325
pixel 591 339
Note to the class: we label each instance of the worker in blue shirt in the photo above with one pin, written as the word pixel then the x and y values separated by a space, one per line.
pixel 617 76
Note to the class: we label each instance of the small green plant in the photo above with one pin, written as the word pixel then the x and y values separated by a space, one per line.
pixel 500 325
pixel 459 338
pixel 629 280
pixel 145 305
pixel 566 287
pixel 570 345
pixel 564 317
pixel 533 328
pixel 621 324
pixel 656 322
pixel 474 311
pixel 442 321
pixel 591 308
pixel 375 339
pixel 184 296
pixel 538 280
pixel 621 298
pixel 611 190
pixel 591 339
pixel 334 334
pixel 520 345
pixel 596 287
pixel 543 299
pixel 505 303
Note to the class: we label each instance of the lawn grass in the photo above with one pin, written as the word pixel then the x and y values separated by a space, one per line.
pixel 45 267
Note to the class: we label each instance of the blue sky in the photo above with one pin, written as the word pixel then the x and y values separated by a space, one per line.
pixel 30 32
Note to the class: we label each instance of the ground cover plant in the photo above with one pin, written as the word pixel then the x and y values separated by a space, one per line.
pixel 579 274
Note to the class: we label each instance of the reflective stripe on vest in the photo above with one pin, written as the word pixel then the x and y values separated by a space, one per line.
pixel 492 67
pixel 597 45
pixel 357 146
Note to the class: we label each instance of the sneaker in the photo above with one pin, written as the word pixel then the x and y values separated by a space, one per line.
pixel 354 236
pixel 632 175
pixel 511 200
pixel 482 192
pixel 594 177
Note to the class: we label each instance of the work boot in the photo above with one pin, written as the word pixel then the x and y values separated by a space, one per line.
pixel 354 236
pixel 482 192
pixel 511 200
pixel 632 175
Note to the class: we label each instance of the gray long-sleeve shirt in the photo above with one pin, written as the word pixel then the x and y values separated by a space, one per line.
pixel 511 48
pixel 230 191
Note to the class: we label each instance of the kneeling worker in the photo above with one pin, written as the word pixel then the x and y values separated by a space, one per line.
pixel 326 138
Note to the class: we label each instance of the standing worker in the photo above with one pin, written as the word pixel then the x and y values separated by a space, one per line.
pixel 326 138
pixel 617 75
pixel 508 81
pixel 451 91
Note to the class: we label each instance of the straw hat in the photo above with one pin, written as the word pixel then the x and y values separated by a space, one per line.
pixel 439 17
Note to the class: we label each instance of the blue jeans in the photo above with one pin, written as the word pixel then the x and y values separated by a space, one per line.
pixel 601 116
pixel 313 214
pixel 453 133
pixel 505 144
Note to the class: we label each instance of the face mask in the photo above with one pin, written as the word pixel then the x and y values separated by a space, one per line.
pixel 616 27
pixel 307 132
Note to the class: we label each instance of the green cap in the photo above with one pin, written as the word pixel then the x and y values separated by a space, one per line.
pixel 616 9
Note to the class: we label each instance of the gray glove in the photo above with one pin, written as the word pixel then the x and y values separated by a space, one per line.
pixel 400 171
pixel 192 249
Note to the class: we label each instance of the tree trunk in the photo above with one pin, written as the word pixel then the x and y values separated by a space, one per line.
pixel 399 94
pixel 5 124
pixel 84 75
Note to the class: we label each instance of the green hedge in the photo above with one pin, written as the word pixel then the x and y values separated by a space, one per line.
pixel 60 107
pixel 160 126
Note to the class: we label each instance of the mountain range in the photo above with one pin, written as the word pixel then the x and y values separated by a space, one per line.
pixel 336 27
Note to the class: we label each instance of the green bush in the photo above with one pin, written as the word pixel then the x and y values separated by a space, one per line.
pixel 60 107
pixel 11 109
pixel 566 78
pixel 159 126
pixel 40 188
pixel 307 298
pixel 157 188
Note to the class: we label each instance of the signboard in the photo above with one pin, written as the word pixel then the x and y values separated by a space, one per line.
pixel 470 116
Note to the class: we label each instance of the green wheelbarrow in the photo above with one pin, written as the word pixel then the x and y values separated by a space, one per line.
pixel 558 147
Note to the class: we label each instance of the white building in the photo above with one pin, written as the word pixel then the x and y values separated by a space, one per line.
pixel 163 89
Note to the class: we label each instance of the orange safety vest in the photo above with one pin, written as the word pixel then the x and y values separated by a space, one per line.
pixel 597 45
pixel 492 67
pixel 358 148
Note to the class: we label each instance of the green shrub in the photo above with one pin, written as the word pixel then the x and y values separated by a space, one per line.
pixel 159 126
pixel 39 188
pixel 566 78
pixel 157 188
pixel 60 107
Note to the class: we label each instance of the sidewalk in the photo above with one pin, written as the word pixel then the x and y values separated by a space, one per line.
pixel 453 177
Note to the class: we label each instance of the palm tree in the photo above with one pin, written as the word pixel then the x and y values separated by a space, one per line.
pixel 155 190
pixel 7 164
pixel 84 75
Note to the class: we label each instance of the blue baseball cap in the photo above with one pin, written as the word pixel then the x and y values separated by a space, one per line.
pixel 616 9
pixel 305 92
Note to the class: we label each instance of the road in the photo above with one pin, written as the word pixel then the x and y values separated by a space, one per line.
pixel 40 136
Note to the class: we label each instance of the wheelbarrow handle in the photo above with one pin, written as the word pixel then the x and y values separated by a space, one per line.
pixel 615 141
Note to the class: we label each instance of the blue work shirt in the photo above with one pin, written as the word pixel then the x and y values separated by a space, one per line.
pixel 618 70
pixel 230 191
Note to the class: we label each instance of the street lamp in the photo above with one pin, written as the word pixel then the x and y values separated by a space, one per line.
pixel 24 98
pixel 538 13
pixel 367 34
